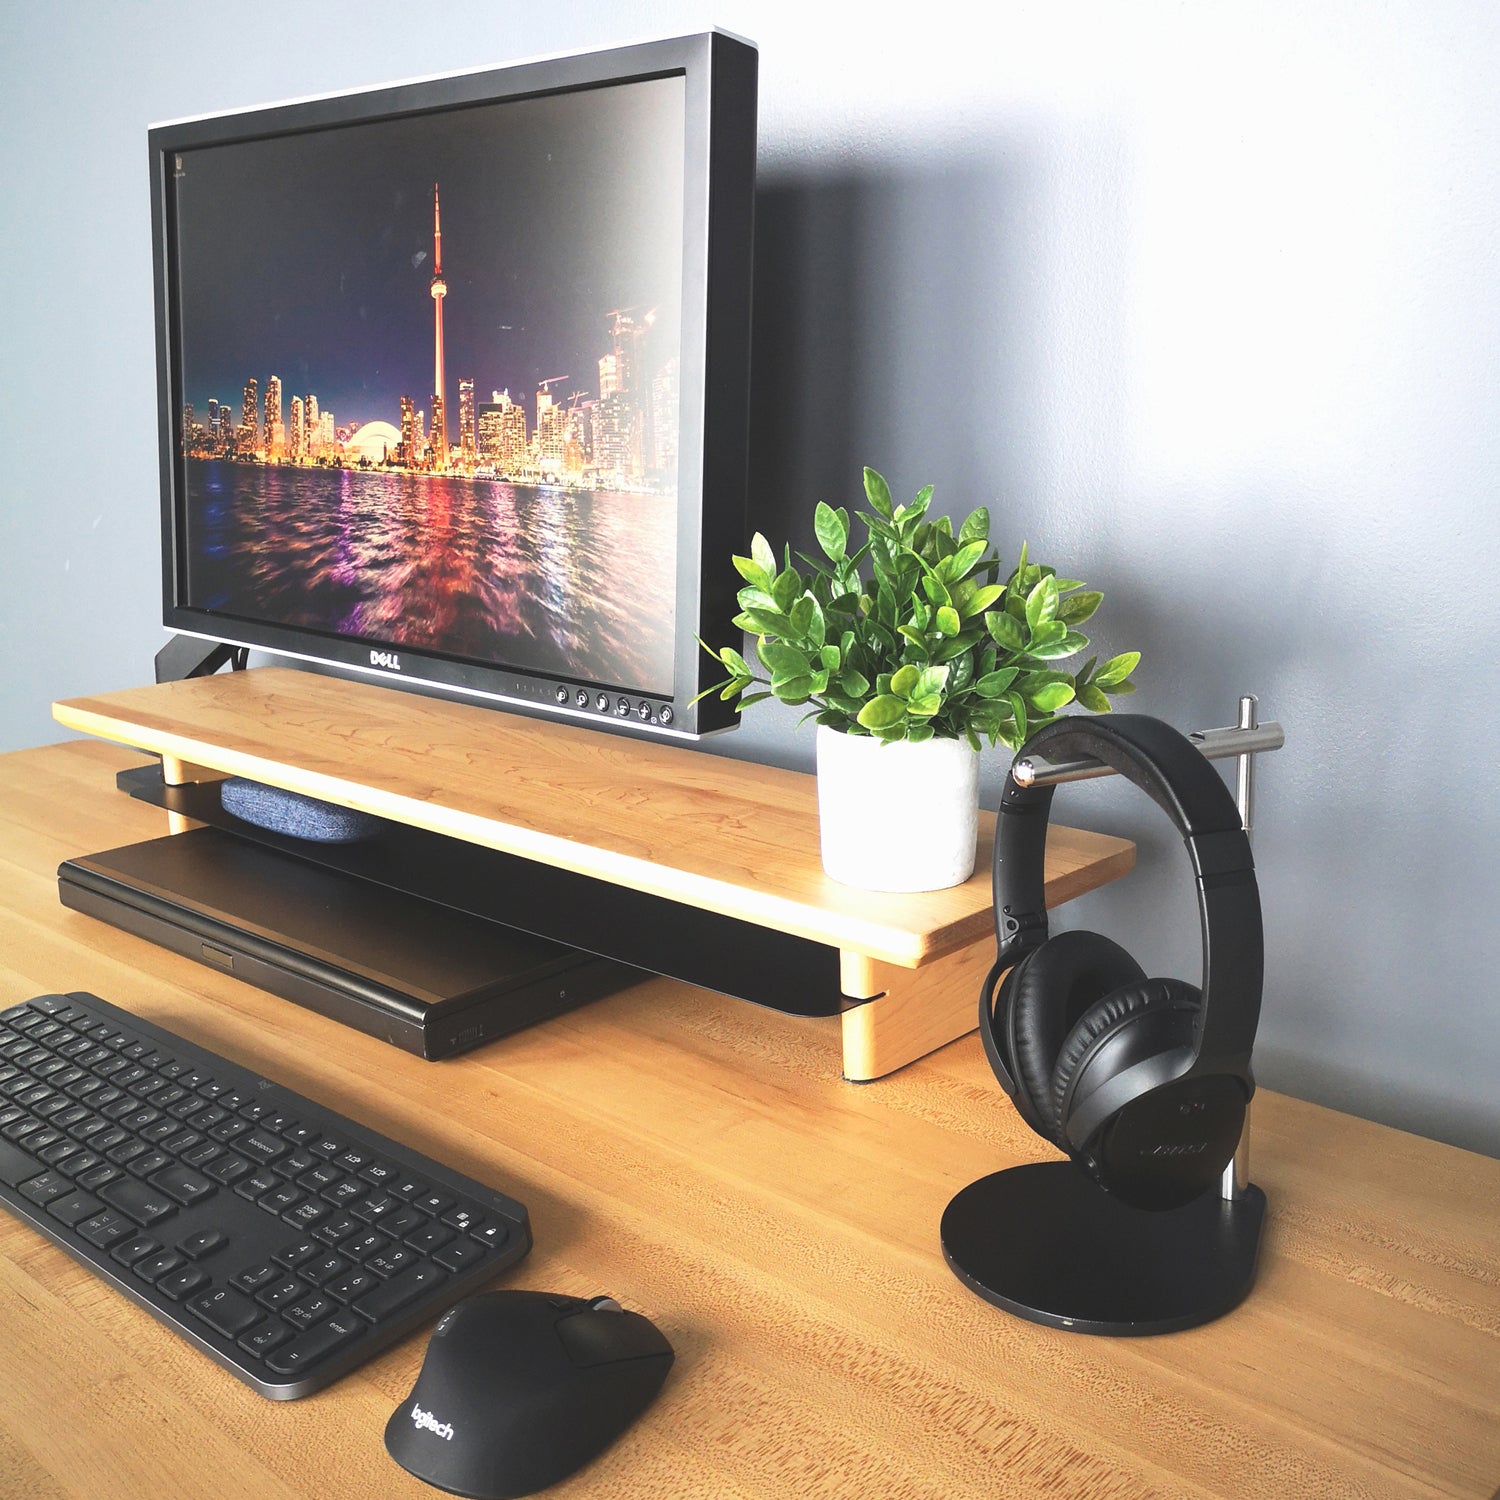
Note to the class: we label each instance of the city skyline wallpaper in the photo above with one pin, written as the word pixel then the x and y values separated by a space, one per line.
pixel 430 381
pixel 309 257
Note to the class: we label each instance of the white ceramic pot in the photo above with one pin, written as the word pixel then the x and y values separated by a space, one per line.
pixel 898 817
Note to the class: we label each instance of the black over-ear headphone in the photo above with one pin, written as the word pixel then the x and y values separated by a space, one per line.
pixel 1143 1082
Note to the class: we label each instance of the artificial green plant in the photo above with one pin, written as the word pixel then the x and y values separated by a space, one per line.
pixel 914 636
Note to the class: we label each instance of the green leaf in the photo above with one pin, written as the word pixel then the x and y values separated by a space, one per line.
pixel 882 713
pixel 948 622
pixel 735 686
pixel 909 515
pixel 924 707
pixel 784 661
pixel 1117 669
pixel 878 492
pixel 916 733
pixel 1067 644
pixel 976 526
pixel 1041 603
pixel 963 562
pixel 1005 630
pixel 831 657
pixel 735 662
pixel 1092 698
pixel 930 681
pixel 750 698
pixel 904 680
pixel 763 622
pixel 979 601
pixel 855 684
pixel 1051 696
pixel 1077 608
pixel 832 528
pixel 752 572
pixel 785 589
pixel 992 684
pixel 794 690
pixel 935 590
pixel 1018 712
pixel 764 558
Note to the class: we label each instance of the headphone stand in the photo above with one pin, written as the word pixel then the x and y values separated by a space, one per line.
pixel 1046 1243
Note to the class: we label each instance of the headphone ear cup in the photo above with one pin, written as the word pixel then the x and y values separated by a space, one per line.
pixel 1106 1021
pixel 1044 997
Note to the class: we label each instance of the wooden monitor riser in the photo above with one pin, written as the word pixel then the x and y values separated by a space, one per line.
pixel 703 830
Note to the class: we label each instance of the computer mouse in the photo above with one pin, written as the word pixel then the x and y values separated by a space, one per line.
pixel 518 1389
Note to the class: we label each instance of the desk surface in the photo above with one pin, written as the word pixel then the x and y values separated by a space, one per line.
pixel 695 1157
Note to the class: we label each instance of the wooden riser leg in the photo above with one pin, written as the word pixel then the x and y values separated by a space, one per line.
pixel 916 1010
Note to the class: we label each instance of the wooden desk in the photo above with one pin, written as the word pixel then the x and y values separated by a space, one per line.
pixel 694 1157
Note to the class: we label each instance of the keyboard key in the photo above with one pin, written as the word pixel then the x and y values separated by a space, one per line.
pixel 317 1343
pixel 253 1278
pixel 266 1336
pixel 149 1267
pixel 145 1203
pixel 184 1184
pixel 459 1254
pixel 400 1291
pixel 226 1311
pixel 46 1186
pixel 74 1208
pixel 133 1250
pixel 310 1310
pixel 106 1229
pixel 180 1283
pixel 203 1244
pixel 16 1165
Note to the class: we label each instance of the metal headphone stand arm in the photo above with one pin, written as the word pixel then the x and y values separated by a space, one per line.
pixel 1244 741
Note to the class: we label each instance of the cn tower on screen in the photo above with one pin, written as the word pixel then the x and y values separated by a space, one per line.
pixel 439 291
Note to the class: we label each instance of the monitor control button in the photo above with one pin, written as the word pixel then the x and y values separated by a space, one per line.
pixel 581 698
pixel 561 695
pixel 666 714
pixel 602 703
pixel 643 711
pixel 622 707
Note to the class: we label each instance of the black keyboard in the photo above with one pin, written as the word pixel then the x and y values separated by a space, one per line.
pixel 286 1242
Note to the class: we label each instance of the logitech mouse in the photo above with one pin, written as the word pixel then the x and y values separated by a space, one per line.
pixel 518 1389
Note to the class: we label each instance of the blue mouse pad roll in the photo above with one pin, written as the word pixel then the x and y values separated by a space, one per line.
pixel 295 815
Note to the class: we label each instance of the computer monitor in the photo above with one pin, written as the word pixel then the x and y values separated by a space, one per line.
pixel 453 378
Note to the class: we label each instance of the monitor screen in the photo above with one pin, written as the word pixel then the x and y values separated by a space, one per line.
pixel 455 377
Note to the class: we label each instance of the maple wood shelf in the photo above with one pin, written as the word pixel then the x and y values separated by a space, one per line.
pixel 641 839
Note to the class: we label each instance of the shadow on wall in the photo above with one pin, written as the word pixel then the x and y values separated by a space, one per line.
pixel 886 332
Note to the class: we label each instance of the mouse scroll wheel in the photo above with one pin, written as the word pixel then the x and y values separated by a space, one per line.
pixel 605 1304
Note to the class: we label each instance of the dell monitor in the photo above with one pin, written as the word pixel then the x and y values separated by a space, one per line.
pixel 454 378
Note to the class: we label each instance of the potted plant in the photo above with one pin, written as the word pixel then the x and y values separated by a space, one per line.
pixel 911 651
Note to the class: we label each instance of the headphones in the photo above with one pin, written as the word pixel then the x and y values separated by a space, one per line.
pixel 1143 1082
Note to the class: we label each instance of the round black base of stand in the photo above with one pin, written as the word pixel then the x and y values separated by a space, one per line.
pixel 1044 1242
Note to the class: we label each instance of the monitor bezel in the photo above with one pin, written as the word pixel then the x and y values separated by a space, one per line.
pixel 719 73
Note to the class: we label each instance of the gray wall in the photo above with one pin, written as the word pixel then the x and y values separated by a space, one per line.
pixel 1200 299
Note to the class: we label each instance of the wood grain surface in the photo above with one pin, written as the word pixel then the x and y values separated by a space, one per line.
pixel 692 1156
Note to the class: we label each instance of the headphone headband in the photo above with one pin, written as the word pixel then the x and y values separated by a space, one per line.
pixel 1174 774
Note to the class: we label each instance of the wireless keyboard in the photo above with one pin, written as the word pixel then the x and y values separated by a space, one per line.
pixel 286 1242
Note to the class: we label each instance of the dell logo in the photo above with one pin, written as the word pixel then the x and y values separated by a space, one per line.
pixel 426 1422
pixel 387 659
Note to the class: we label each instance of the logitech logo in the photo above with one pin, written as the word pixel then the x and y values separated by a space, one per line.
pixel 387 659
pixel 426 1422
pixel 1192 1149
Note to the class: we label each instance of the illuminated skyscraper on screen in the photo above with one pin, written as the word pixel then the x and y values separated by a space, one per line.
pixel 439 291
